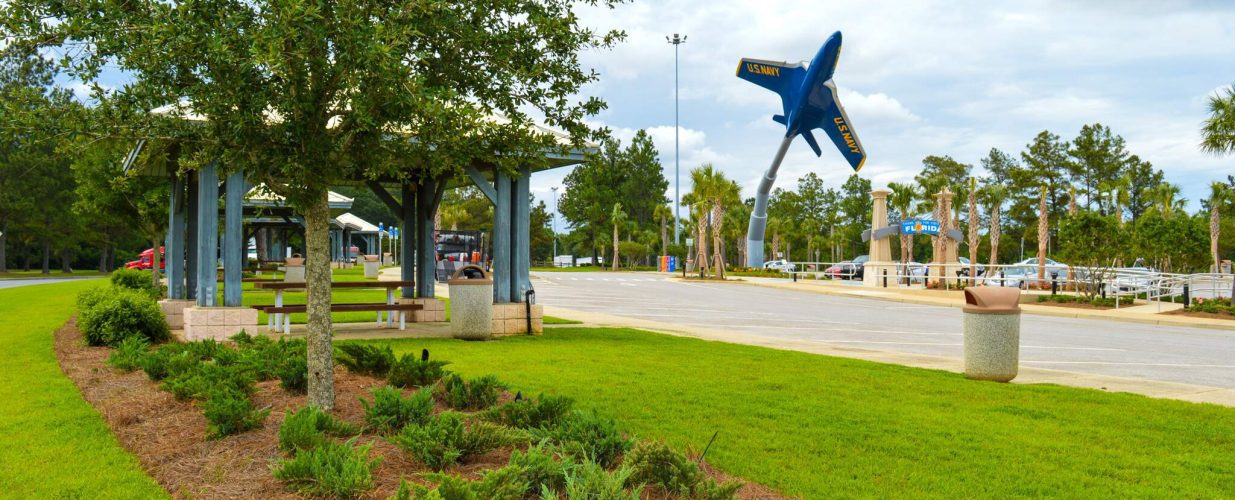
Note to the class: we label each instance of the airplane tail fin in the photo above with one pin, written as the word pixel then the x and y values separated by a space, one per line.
pixel 780 77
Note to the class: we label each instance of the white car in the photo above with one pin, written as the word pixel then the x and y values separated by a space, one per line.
pixel 781 265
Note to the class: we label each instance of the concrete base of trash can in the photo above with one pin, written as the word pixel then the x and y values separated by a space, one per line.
pixel 471 312
pixel 294 274
pixel 992 346
pixel 370 269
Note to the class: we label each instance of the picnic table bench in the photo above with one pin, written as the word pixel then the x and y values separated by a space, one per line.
pixel 278 316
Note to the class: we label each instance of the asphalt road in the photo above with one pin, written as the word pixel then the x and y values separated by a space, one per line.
pixel 11 283
pixel 1173 354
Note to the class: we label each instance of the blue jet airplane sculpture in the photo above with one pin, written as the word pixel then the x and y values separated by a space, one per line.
pixel 808 96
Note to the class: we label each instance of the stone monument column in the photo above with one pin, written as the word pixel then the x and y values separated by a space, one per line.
pixel 880 248
pixel 943 254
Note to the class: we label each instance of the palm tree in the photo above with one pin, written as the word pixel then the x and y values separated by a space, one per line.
pixel 1218 131
pixel 1071 200
pixel 993 196
pixel 1164 196
pixel 1218 192
pixel 903 199
pixel 1043 233
pixel 973 229
pixel 451 214
pixel 712 188
pixel 662 213
pixel 617 217
pixel 736 218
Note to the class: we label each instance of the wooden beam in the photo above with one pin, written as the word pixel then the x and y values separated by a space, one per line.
pixel 385 196
pixel 481 183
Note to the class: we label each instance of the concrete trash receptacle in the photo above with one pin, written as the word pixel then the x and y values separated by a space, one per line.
pixel 294 269
pixel 371 266
pixel 992 333
pixel 471 304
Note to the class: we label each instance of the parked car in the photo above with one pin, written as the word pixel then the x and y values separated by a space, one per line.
pixel 145 260
pixel 1134 278
pixel 849 269
pixel 781 265
pixel 965 270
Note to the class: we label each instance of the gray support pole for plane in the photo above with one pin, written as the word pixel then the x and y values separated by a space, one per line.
pixel 427 198
pixel 407 244
pixel 759 216
pixel 175 239
pixel 207 235
pixel 190 246
pixel 520 244
pixel 234 244
pixel 501 239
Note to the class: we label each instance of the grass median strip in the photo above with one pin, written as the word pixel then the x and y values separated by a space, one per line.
pixel 819 426
pixel 55 444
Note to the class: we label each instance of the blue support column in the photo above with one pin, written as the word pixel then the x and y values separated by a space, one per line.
pixel 190 246
pixel 426 249
pixel 176 240
pixel 407 244
pixel 501 239
pixel 234 244
pixel 520 242
pixel 207 235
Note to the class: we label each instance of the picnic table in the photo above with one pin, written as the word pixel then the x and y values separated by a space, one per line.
pixel 278 316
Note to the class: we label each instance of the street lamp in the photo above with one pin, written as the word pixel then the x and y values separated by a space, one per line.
pixel 677 176
pixel 553 225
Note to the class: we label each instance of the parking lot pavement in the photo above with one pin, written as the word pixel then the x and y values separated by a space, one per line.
pixel 1180 354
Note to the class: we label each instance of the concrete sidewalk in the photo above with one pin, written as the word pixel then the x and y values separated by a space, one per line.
pixel 1027 375
pixel 1144 313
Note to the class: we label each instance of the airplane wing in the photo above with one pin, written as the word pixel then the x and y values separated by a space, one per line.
pixel 780 77
pixel 836 123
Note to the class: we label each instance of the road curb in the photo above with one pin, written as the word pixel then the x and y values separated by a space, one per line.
pixel 1028 308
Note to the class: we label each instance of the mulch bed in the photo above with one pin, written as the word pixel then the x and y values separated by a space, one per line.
pixel 169 438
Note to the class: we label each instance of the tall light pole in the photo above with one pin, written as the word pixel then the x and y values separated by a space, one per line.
pixel 553 225
pixel 677 175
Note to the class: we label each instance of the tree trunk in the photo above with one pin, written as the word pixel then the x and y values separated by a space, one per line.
pixel 1043 233
pixel 718 248
pixel 616 242
pixel 317 286
pixel 973 237
pixel 741 246
pixel 46 257
pixel 701 244
pixel 66 261
pixel 994 236
pixel 664 237
pixel 103 259
pixel 155 262
pixel 1214 228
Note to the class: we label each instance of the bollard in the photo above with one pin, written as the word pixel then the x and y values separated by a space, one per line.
pixel 1054 283
pixel 992 324
pixel 1102 288
pixel 795 276
pixel 529 297
pixel 885 278
pixel 1187 297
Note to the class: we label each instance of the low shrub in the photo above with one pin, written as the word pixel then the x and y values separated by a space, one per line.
pixel 120 315
pixel 544 411
pixel 294 374
pixel 468 395
pixel 655 463
pixel 504 483
pixel 410 371
pixel 445 440
pixel 390 411
pixel 591 480
pixel 134 279
pixel 539 470
pixel 230 412
pixel 337 470
pixel 587 436
pixel 1212 306
pixel 205 377
pixel 87 299
pixel 128 354
pixel 308 427
pixel 366 359
pixel 168 359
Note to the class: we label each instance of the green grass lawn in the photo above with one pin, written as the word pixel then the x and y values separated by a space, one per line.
pixel 823 427
pixel 55 444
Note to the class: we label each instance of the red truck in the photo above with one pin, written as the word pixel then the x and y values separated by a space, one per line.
pixel 145 260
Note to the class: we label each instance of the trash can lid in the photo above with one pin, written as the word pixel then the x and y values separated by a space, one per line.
pixel 992 300
pixel 470 275
pixel 370 258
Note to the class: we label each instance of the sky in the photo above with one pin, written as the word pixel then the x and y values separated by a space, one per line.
pixel 918 78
